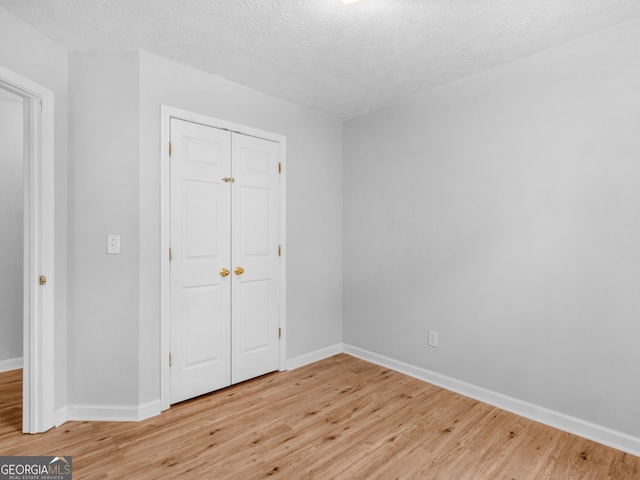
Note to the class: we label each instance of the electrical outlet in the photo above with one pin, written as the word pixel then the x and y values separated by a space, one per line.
pixel 433 338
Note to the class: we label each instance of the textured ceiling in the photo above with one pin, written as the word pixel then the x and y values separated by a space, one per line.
pixel 342 60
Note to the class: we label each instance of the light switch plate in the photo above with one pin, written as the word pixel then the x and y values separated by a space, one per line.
pixel 433 338
pixel 113 244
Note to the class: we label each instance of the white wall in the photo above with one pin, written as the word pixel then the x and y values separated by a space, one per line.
pixel 103 199
pixel 502 211
pixel 26 52
pixel 12 230
pixel 114 187
pixel 314 202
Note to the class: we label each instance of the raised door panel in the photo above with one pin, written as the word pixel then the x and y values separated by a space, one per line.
pixel 200 244
pixel 255 227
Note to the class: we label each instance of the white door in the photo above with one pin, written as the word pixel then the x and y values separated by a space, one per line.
pixel 225 250
pixel 200 250
pixel 255 230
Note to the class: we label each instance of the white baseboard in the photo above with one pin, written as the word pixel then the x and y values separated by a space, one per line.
pixel 149 409
pixel 60 416
pixel 315 356
pixel 10 364
pixel 567 423
pixel 103 413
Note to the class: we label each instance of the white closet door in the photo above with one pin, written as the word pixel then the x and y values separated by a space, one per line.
pixel 255 344
pixel 200 245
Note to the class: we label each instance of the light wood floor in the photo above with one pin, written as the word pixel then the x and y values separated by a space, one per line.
pixel 340 418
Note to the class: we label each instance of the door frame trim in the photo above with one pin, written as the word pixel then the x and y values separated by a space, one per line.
pixel 39 315
pixel 166 114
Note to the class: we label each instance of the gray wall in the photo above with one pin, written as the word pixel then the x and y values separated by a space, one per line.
pixel 502 211
pixel 28 53
pixel 314 202
pixel 12 230
pixel 103 199
pixel 114 187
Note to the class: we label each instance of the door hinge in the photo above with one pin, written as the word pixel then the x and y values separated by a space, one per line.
pixel 279 332
pixel 170 360
pixel 279 167
pixel 279 250
pixel 170 149
pixel 170 254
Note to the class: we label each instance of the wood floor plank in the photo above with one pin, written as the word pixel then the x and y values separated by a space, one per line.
pixel 341 418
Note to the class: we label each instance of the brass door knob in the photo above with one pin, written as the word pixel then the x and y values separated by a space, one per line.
pixel 224 272
pixel 239 270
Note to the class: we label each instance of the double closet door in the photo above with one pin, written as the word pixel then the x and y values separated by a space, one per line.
pixel 224 268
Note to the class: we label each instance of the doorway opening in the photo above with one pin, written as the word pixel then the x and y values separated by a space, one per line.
pixel 37 249
pixel 11 256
